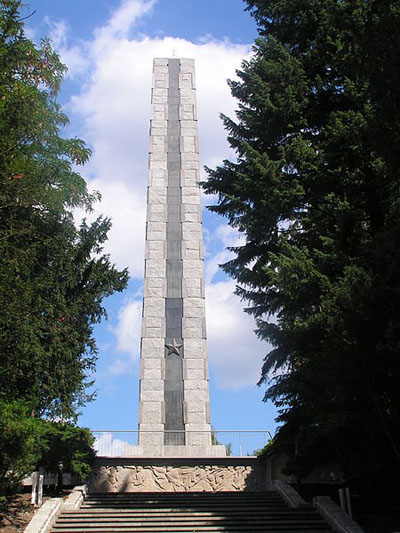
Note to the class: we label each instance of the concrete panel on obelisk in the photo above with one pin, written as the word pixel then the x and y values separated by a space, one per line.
pixel 174 411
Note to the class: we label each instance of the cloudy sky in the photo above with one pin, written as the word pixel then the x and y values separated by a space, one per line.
pixel 109 46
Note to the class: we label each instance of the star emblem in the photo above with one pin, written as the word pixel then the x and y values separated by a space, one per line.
pixel 174 347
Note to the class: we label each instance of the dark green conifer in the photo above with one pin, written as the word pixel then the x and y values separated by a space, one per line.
pixel 315 190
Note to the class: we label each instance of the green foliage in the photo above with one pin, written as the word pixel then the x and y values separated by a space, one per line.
pixel 28 443
pixel 315 190
pixel 19 450
pixel 54 276
pixel 215 441
pixel 266 450
pixel 71 445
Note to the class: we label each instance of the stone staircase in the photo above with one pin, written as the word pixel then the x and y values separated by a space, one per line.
pixel 192 512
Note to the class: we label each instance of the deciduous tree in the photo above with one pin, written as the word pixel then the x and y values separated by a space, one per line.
pixel 54 276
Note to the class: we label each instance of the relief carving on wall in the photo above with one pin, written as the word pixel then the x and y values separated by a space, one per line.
pixel 172 479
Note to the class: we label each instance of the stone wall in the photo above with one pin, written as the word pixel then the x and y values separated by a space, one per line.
pixel 178 475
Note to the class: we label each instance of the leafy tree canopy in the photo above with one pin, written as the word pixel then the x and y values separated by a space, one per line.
pixel 315 190
pixel 54 276
pixel 28 443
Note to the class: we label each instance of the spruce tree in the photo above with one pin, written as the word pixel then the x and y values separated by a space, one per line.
pixel 315 191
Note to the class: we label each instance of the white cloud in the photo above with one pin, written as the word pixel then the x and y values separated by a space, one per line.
pixel 225 236
pixel 73 56
pixel 58 32
pixel 127 209
pixel 114 109
pixel 235 353
pixel 106 445
pixel 121 22
pixel 127 336
pixel 128 329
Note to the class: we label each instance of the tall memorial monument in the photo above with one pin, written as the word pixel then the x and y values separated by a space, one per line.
pixel 174 406
pixel 175 451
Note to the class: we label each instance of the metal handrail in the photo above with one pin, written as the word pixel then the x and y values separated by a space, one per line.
pixel 242 438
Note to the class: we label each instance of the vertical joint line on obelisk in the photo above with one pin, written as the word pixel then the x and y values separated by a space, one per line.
pixel 173 385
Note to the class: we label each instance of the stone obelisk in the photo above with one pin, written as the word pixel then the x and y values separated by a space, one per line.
pixel 174 409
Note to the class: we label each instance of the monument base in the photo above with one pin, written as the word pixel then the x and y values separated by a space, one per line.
pixel 216 450
pixel 171 474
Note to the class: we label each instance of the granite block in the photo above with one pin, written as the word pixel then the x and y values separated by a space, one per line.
pixel 158 246
pixel 150 373
pixel 156 236
pixel 193 322
pixel 151 308
pixel 160 93
pixel 161 157
pixel 194 418
pixel 158 165
pixel 159 99
pixel 187 125
pixel 152 385
pixel 154 254
pixel 189 198
pixel 193 302
pixel 190 231
pixel 151 364
pixel 187 93
pixel 152 352
pixel 196 384
pixel 193 273
pixel 195 348
pixel 190 157
pixel 190 165
pixel 160 61
pixel 194 312
pixel 191 291
pixel 159 130
pixel 196 407
pixel 156 226
pixel 149 416
pixel 155 272
pixel 191 254
pixel 160 84
pixel 192 333
pixel 153 321
pixel 153 332
pixel 186 80
pixel 152 396
pixel 155 263
pixel 158 124
pixel 194 374
pixel 192 282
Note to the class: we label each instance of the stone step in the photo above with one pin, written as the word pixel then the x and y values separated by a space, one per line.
pixel 178 498
pixel 198 494
pixel 182 505
pixel 192 526
pixel 127 516
pixel 183 496
pixel 213 505
pixel 190 523
pixel 188 513
pixel 177 513
pixel 190 529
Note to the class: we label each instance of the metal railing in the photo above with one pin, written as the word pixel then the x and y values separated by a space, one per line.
pixel 122 443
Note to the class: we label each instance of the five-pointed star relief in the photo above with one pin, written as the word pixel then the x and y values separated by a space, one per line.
pixel 174 347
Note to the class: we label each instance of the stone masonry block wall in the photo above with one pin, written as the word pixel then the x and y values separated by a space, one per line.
pixel 174 367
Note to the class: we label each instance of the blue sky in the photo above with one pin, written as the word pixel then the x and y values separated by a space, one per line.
pixel 108 46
